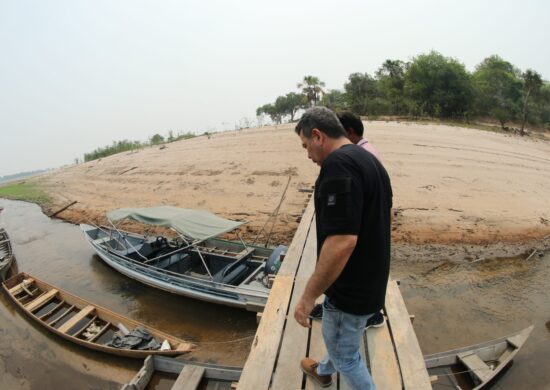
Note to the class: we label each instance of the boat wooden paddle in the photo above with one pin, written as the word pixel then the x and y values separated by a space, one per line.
pixel 83 322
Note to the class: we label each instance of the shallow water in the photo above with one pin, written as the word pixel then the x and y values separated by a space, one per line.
pixel 57 253
pixel 460 304
pixel 455 304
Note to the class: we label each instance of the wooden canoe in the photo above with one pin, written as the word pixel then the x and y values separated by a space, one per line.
pixel 189 374
pixel 7 259
pixel 80 321
pixel 475 366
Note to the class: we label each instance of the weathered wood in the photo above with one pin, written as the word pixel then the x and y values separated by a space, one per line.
pixel 143 377
pixel 287 374
pixel 41 300
pixel 383 362
pixel 189 378
pixel 261 360
pixel 76 318
pixel 51 310
pixel 98 334
pixel 411 361
pixel 478 367
pixel 63 209
pixel 56 320
pixel 17 289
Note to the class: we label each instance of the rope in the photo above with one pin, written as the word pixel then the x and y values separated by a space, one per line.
pixel 224 342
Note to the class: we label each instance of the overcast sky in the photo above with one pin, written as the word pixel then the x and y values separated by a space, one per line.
pixel 76 75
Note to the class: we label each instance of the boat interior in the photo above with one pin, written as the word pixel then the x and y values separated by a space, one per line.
pixel 226 262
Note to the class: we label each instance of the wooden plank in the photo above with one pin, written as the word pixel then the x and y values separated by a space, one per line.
pixel 57 319
pixel 261 360
pixel 189 378
pixel 383 362
pixel 317 351
pixel 287 373
pixel 478 367
pixel 63 209
pixel 76 318
pixel 17 289
pixel 411 361
pixel 143 377
pixel 41 300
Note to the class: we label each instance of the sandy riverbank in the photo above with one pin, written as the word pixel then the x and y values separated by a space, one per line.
pixel 451 184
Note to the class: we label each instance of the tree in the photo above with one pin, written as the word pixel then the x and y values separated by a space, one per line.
pixel 156 139
pixel 312 88
pixel 269 109
pixel 291 103
pixel 335 100
pixel 360 88
pixel 391 80
pixel 532 82
pixel 438 86
pixel 497 88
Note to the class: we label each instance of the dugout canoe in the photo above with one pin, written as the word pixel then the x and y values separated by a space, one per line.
pixel 80 321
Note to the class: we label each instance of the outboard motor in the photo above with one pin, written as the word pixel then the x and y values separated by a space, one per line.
pixel 273 263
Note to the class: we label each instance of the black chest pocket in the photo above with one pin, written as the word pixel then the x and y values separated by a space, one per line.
pixel 334 199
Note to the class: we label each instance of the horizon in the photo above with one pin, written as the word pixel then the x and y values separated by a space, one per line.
pixel 78 76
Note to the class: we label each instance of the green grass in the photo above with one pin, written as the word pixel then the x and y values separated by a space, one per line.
pixel 24 191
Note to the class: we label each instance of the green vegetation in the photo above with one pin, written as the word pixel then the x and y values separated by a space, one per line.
pixel 24 191
pixel 126 145
pixel 432 87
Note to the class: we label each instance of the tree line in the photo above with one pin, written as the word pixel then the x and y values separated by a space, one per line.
pixel 430 85
pixel 127 145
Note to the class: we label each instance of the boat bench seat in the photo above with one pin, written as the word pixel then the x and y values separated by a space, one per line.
pixel 231 272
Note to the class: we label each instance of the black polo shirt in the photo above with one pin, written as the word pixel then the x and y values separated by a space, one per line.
pixel 353 195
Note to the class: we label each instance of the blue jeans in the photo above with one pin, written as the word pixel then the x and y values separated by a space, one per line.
pixel 343 333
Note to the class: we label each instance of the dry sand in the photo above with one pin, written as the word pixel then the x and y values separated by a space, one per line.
pixel 451 184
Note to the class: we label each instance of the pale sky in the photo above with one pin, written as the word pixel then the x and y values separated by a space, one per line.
pixel 76 75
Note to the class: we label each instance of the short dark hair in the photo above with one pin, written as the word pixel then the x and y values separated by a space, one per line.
pixel 320 118
pixel 349 119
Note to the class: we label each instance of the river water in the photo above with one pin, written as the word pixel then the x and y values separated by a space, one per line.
pixel 56 252
pixel 454 303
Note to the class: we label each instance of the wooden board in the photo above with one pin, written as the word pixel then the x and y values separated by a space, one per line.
pixel 17 289
pixel 261 360
pixel 287 373
pixel 76 318
pixel 478 367
pixel 41 300
pixel 383 362
pixel 189 378
pixel 411 361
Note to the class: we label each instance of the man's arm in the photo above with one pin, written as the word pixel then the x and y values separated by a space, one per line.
pixel 335 254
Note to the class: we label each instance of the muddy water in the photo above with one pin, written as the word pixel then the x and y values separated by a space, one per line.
pixel 455 304
pixel 31 358
pixel 459 304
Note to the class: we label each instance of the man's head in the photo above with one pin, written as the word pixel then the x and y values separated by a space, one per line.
pixel 320 132
pixel 353 126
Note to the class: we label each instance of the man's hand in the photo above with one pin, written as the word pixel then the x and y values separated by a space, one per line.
pixel 302 310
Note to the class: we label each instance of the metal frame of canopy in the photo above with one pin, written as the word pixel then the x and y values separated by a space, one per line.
pixel 193 244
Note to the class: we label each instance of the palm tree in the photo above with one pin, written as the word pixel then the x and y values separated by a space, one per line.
pixel 312 89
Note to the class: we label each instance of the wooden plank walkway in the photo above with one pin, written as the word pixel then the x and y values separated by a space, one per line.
pixel 392 352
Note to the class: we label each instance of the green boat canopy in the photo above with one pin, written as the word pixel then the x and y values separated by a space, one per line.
pixel 197 224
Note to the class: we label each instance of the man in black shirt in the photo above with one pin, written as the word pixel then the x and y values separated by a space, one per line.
pixel 353 199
